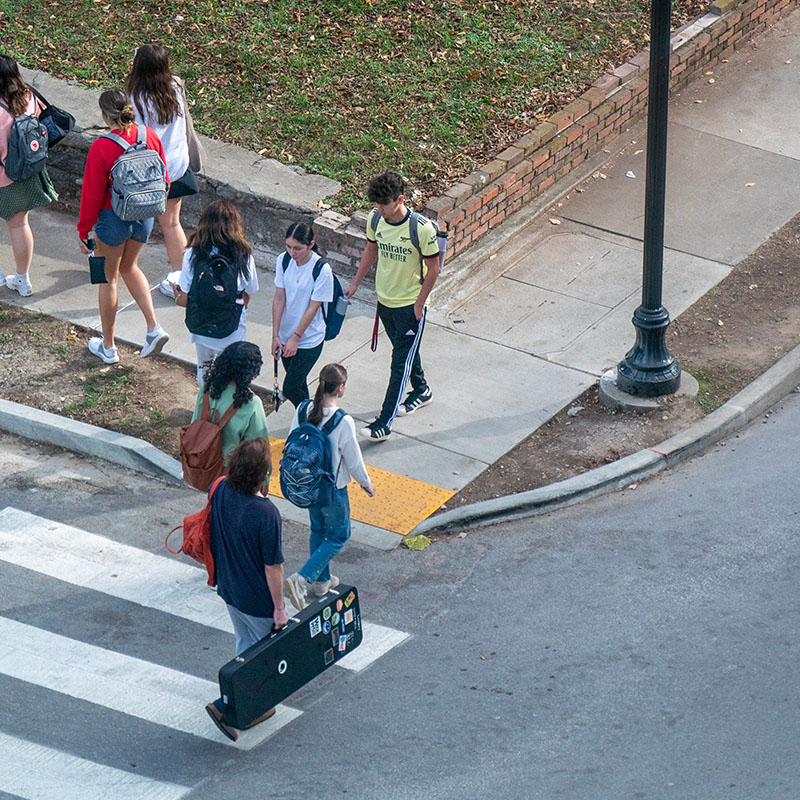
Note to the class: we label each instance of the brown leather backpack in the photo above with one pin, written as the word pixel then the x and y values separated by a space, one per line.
pixel 201 447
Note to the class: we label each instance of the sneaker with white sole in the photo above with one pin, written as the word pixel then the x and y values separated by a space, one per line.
pixel 154 342
pixel 414 401
pixel 107 354
pixel 296 585
pixel 321 588
pixel 375 433
pixel 20 283
pixel 165 287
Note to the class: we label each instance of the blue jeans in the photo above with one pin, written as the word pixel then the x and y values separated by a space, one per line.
pixel 330 530
pixel 113 231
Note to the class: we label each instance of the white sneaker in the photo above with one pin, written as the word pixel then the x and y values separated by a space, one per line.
pixel 165 287
pixel 321 588
pixel 296 586
pixel 154 342
pixel 107 354
pixel 20 283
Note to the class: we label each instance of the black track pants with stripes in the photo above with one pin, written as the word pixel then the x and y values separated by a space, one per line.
pixel 405 333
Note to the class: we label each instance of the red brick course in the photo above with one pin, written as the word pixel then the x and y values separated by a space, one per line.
pixel 555 147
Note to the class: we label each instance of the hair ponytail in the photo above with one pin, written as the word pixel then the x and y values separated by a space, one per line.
pixel 117 107
pixel 331 377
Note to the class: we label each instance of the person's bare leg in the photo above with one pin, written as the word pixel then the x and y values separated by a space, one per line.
pixel 21 236
pixel 136 281
pixel 174 236
pixel 107 292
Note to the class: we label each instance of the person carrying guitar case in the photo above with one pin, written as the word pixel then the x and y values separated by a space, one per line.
pixel 248 559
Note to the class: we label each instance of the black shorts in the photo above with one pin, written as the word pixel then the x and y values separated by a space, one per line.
pixel 184 186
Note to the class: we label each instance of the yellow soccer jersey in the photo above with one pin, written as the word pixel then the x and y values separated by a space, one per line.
pixel 397 275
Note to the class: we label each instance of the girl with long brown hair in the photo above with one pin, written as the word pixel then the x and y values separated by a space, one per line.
pixel 330 524
pixel 18 198
pixel 159 102
pixel 219 233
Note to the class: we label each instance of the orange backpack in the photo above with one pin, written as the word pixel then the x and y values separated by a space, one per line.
pixel 201 447
pixel 197 536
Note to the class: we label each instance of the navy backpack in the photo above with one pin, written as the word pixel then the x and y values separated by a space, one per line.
pixel 334 311
pixel 307 477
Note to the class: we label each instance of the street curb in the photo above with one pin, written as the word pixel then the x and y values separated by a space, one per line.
pixel 127 451
pixel 752 401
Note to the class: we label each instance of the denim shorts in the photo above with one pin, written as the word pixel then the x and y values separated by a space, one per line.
pixel 113 231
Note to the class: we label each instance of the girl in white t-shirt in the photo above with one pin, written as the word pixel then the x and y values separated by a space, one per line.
pixel 159 102
pixel 298 326
pixel 219 231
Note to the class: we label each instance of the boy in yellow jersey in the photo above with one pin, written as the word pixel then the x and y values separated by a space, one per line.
pixel 404 278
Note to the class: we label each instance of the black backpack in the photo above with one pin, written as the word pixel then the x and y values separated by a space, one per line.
pixel 214 304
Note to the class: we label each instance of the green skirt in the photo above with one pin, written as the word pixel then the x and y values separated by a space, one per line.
pixel 26 195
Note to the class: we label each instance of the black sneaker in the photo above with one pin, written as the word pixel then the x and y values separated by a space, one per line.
pixel 414 401
pixel 375 433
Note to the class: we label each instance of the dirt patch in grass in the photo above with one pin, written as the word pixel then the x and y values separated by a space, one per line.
pixel 432 87
pixel 44 363
pixel 726 339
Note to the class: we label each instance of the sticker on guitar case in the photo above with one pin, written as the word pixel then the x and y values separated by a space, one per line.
pixel 329 656
pixel 315 626
pixel 348 601
pixel 339 604
pixel 326 612
pixel 326 626
pixel 342 644
pixel 348 616
pixel 335 619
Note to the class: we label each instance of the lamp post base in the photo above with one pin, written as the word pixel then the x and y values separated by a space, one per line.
pixel 649 369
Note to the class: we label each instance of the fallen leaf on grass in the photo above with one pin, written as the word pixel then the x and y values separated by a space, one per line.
pixel 554 221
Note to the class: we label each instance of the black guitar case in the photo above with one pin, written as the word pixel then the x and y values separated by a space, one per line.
pixel 268 672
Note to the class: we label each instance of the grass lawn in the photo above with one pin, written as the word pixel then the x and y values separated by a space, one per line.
pixel 347 88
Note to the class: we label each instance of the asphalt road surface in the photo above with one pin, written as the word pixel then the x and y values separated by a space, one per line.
pixel 641 645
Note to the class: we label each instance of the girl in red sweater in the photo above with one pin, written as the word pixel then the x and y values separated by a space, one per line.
pixel 118 241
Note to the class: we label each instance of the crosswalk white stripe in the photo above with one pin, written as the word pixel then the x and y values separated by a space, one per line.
pixel 98 563
pixel 120 570
pixel 139 688
pixel 35 772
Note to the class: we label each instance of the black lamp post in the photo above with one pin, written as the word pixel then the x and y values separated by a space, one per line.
pixel 649 369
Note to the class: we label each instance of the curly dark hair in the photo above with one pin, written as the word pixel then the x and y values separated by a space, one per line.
pixel 249 465
pixel 386 187
pixel 239 363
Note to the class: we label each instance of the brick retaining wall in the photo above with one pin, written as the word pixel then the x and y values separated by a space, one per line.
pixel 556 146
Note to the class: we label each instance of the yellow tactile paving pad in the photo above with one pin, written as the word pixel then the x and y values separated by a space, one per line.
pixel 399 505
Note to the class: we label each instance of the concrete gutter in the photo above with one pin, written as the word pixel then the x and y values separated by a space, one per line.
pixel 766 390
pixel 127 451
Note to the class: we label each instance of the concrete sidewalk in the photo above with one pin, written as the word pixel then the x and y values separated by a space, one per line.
pixel 550 309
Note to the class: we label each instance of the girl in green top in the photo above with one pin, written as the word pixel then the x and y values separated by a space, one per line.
pixel 227 382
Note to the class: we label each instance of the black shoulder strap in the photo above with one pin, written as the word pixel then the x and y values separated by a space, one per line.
pixel 302 412
pixel 374 219
pixel 321 262
pixel 331 424
pixel 286 259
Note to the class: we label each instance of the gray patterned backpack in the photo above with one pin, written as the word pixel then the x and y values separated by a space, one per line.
pixel 138 179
